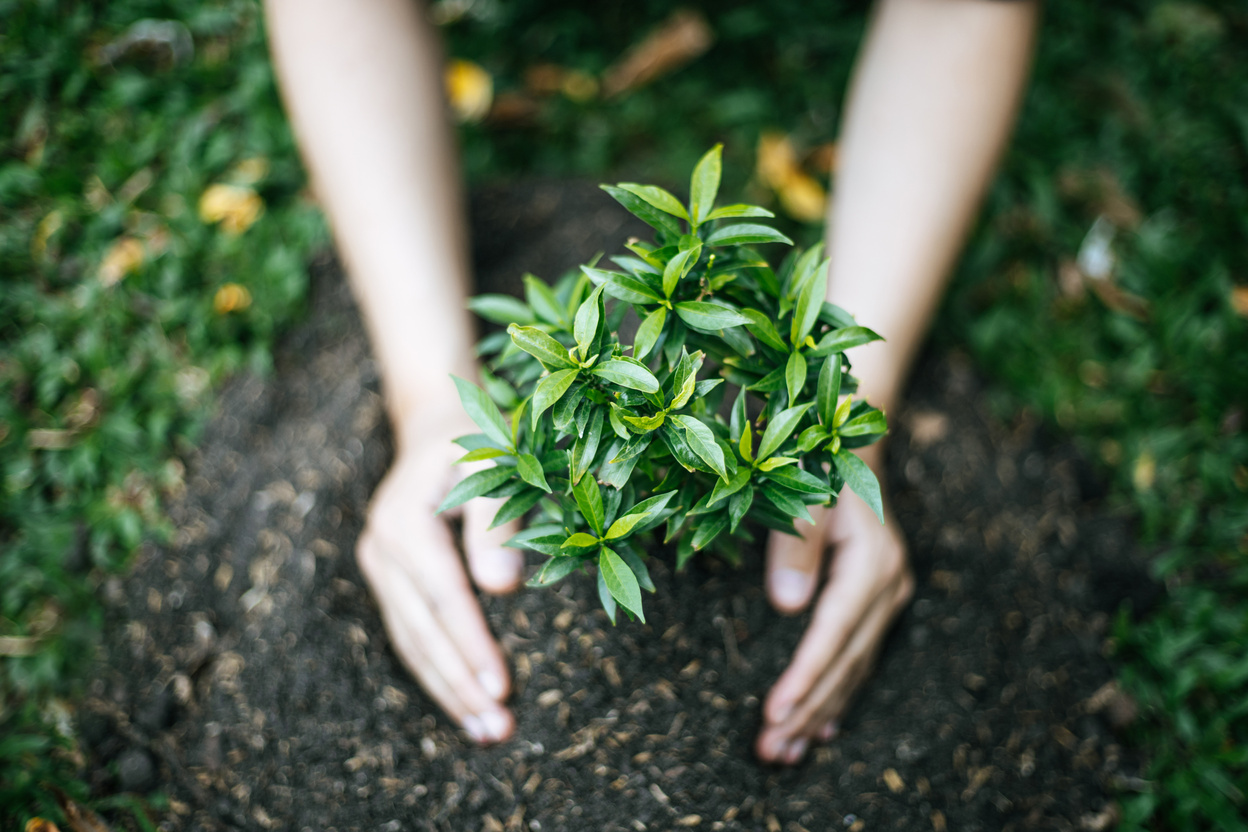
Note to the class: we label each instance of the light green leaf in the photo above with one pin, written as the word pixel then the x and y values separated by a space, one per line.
pixel 745 233
pixel 729 211
pixel 829 388
pixel 708 530
pixel 656 196
pixel 502 309
pixel 645 423
pixel 589 501
pixel 702 442
pixel 704 185
pixel 552 354
pixel 639 514
pixel 859 477
pixel 585 327
pixel 678 267
pixel 580 540
pixel 776 462
pixel 648 333
pixel 842 411
pixel 482 410
pixel 644 211
pixel 549 390
pixel 474 485
pixel 638 566
pixel 869 423
pixel 809 303
pixel 723 490
pixel 746 444
pixel 709 317
pixel 845 338
pixel 795 374
pixel 630 374
pixel 779 429
pixel 544 303
pixel 480 454
pixel 620 581
pixel 740 418
pixel 531 471
pixel 685 379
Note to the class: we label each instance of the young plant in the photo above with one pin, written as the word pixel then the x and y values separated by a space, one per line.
pixel 608 443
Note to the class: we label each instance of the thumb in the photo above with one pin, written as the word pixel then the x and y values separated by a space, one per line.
pixel 494 568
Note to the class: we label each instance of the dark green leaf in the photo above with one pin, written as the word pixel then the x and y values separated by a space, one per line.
pixel 516 507
pixel 702 442
pixel 549 390
pixel 544 302
pixel 829 388
pixel 585 328
pixel 779 429
pixel 474 485
pixel 554 570
pixel 859 477
pixel 787 501
pixel 709 529
pixel 846 338
pixel 502 309
pixel 709 317
pixel 704 185
pixel 648 333
pixel 644 211
pixel 531 471
pixel 627 373
pixel 589 501
pixel 745 233
pixel 762 328
pixel 604 597
pixel 809 302
pixel 623 287
pixel 738 505
pixel 621 582
pixel 770 383
pixel 723 490
pixel 564 412
pixel 678 267
pixel 585 449
pixel 740 418
pixel 552 354
pixel 795 479
pixel 638 514
pixel 638 566
pixel 482 410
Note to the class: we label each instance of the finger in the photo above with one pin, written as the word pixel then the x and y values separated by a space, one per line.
pixel 426 648
pixel 494 568
pixel 793 565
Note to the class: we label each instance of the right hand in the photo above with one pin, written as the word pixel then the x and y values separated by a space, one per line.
pixel 409 558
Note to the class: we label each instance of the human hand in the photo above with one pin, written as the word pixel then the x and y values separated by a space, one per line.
pixel 869 582
pixel 409 558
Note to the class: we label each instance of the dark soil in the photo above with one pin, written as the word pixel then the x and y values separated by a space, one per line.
pixel 247 673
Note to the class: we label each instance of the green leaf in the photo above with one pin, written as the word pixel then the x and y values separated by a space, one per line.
pixel 809 303
pixel 779 429
pixel 620 581
pixel 589 501
pixel 786 501
pixel 770 383
pixel 549 390
pixel 481 454
pixel 745 233
pixel 811 437
pixel 638 514
pixel 869 423
pixel 702 442
pixel 474 485
pixel 585 328
pixel 842 411
pixel 859 477
pixel 638 566
pixel 656 196
pixel 646 423
pixel 580 540
pixel 739 210
pixel 482 410
pixel 795 374
pixel 517 506
pixel 704 185
pixel 723 490
pixel 626 373
pixel 604 597
pixel 648 333
pixel 709 317
pixel 678 267
pixel 544 302
pixel 623 287
pixel 846 338
pixel 502 309
pixel 564 411
pixel 740 419
pixel 685 379
pixel 829 388
pixel 531 471
pixel 708 530
pixel 738 505
pixel 776 462
pixel 762 328
pixel 795 479
pixel 552 354
pixel 585 449
pixel 554 570
pixel 644 211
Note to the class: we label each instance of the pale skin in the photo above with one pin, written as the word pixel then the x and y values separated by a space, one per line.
pixel 933 99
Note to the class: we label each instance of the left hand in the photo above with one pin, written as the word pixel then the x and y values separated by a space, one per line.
pixel 869 583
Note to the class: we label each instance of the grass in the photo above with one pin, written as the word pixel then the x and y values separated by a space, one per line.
pixel 1136 112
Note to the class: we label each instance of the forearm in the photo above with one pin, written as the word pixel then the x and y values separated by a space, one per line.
pixel 362 84
pixel 928 114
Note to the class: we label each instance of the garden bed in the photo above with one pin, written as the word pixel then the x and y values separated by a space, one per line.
pixel 248 675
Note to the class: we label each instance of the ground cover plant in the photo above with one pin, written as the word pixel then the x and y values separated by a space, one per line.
pixel 587 407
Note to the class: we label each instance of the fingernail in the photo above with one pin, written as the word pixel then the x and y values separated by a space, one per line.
pixel 790 587
pixel 497 567
pixel 495 724
pixel 492 683
pixel 796 749
pixel 475 728
pixel 773 748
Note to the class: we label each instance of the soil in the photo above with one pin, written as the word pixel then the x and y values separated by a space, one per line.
pixel 246 672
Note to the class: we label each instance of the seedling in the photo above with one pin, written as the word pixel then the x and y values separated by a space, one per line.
pixel 607 444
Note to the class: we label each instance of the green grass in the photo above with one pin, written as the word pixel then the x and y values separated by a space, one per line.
pixel 1137 110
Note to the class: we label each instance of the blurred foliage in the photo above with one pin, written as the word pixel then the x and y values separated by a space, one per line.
pixel 1137 113
pixel 113 325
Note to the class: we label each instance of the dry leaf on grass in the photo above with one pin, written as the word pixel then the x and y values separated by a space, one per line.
pixel 776 164
pixel 123 257
pixel 231 298
pixel 236 207
pixel 1239 300
pixel 682 37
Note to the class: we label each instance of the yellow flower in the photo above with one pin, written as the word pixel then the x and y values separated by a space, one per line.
pixel 236 207
pixel 122 258
pixel 470 90
pixel 231 298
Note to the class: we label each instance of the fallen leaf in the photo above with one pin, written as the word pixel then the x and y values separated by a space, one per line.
pixel 13 646
pixel 47 226
pixel 1239 300
pixel 1144 474
pixel 802 198
pixel 231 298
pixel 236 207
pixel 800 195
pixel 893 780
pixel 50 439
pixel 550 79
pixel 775 160
pixel 249 171
pixel 681 38
pixel 122 258
pixel 469 89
